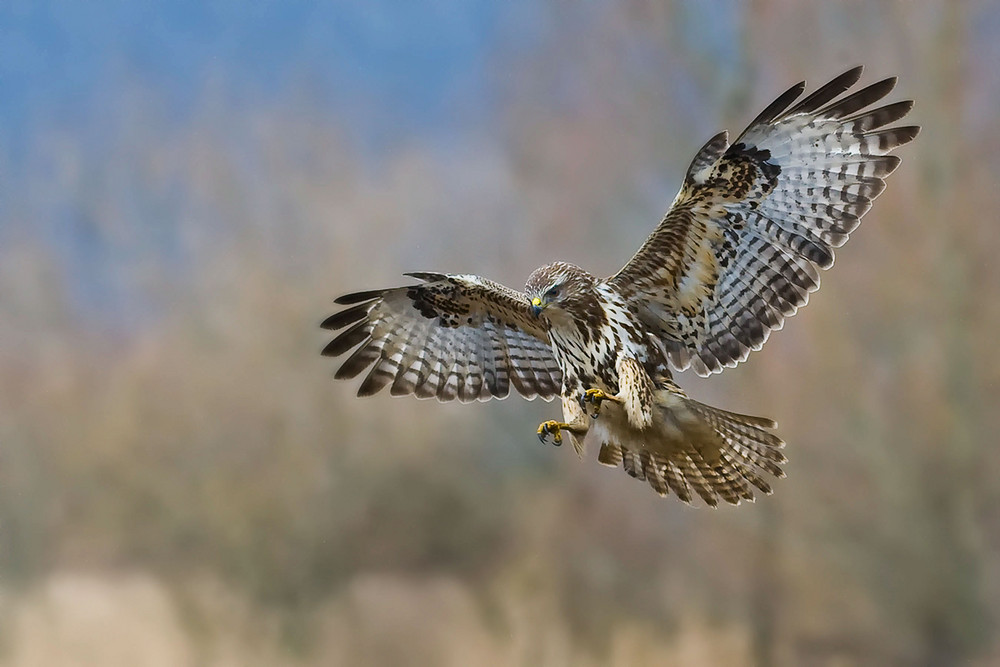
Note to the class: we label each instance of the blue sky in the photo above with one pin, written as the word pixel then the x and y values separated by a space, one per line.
pixel 419 63
pixel 412 61
pixel 382 70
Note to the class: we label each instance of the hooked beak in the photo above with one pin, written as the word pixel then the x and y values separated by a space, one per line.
pixel 536 306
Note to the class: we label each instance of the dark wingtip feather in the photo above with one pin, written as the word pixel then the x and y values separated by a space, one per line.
pixel 401 386
pixel 895 137
pixel 341 319
pixel 866 121
pixel 859 100
pixel 346 340
pixel 777 106
pixel 904 135
pixel 882 166
pixel 358 297
pixel 361 359
pixel 374 382
pixel 828 92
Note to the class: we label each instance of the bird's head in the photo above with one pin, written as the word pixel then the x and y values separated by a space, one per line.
pixel 551 288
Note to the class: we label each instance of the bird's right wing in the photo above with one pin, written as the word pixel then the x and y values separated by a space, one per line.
pixel 741 247
pixel 451 337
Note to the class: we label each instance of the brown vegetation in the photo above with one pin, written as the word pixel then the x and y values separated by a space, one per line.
pixel 192 457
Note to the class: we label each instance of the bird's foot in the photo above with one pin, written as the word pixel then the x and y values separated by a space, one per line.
pixel 593 398
pixel 553 428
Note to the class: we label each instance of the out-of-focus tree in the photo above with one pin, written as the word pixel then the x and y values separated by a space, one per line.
pixel 170 414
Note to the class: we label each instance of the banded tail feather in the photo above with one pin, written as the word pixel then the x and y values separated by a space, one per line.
pixel 694 449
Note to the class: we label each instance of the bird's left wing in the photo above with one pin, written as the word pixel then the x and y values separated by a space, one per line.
pixel 451 337
pixel 741 247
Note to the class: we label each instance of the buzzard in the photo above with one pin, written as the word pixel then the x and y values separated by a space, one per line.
pixel 738 251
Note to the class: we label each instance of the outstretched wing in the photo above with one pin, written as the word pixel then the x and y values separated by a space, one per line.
pixel 452 336
pixel 741 247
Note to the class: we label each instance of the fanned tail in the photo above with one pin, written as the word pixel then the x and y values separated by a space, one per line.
pixel 696 449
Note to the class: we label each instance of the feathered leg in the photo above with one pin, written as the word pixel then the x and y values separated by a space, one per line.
pixel 635 393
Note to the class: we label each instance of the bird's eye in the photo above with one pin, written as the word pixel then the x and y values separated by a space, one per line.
pixel 553 292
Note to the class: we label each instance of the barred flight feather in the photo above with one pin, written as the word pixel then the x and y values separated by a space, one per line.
pixel 791 189
pixel 452 337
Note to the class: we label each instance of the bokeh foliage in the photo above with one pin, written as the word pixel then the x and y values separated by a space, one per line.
pixel 170 414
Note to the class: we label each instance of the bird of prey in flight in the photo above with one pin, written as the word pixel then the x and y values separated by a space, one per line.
pixel 738 251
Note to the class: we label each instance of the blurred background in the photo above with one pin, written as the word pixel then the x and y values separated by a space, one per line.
pixel 184 188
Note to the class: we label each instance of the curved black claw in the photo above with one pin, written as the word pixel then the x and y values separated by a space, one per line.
pixel 553 428
pixel 594 398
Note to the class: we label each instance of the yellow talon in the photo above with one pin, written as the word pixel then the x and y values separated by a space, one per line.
pixel 595 397
pixel 553 427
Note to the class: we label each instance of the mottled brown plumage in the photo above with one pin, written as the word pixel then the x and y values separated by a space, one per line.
pixel 739 250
